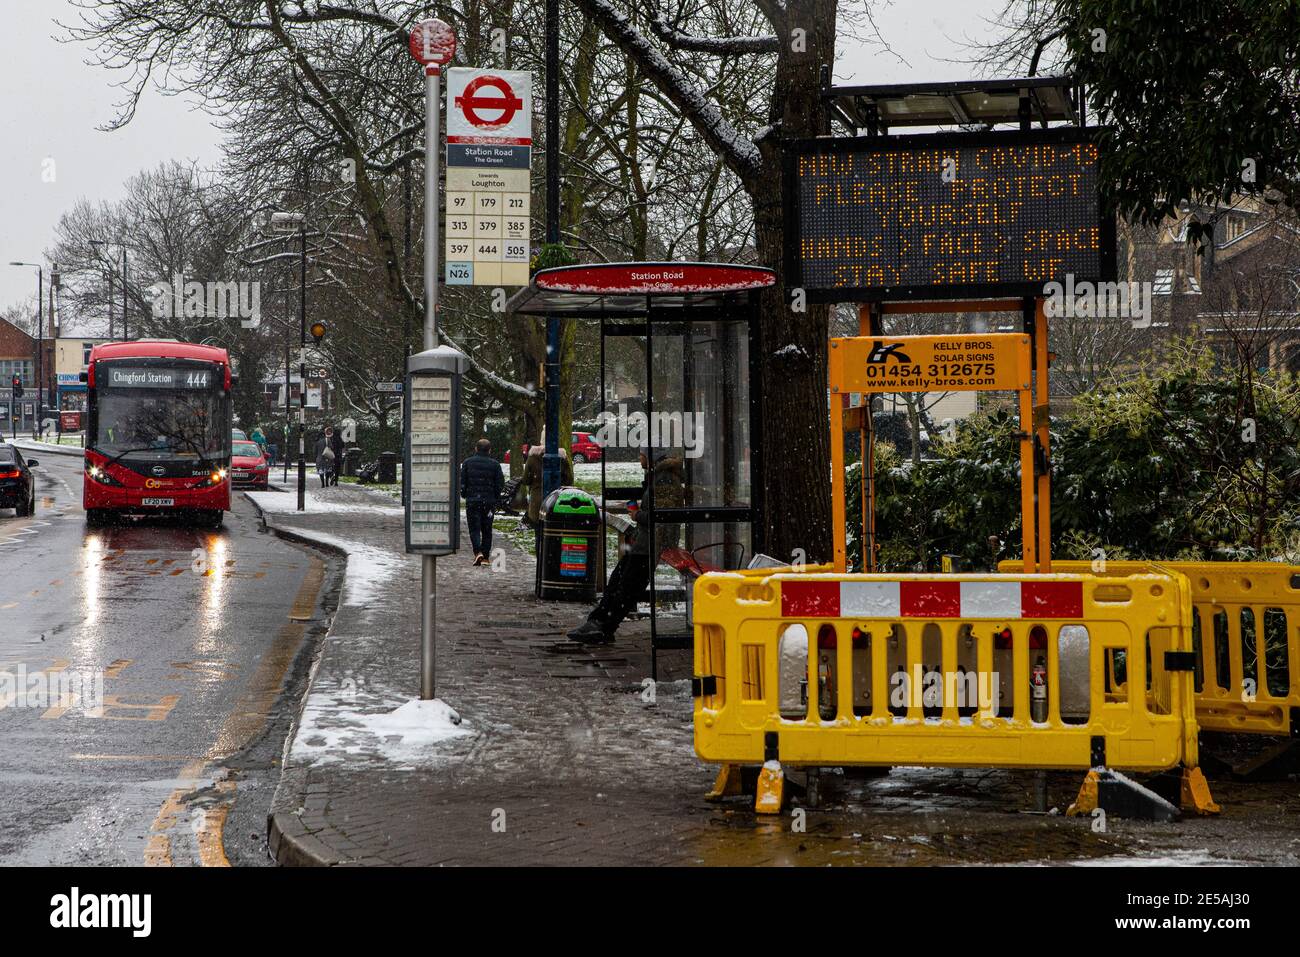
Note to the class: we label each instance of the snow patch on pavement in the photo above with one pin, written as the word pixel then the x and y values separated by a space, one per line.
pixel 341 726
pixel 369 571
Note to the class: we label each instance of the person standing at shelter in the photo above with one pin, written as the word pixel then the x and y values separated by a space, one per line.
pixel 533 477
pixel 481 483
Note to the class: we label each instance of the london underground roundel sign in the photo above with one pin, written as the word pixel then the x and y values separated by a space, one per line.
pixel 433 42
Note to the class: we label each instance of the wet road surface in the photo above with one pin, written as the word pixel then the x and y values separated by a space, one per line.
pixel 162 665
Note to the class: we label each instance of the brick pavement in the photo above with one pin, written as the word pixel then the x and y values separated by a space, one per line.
pixel 565 763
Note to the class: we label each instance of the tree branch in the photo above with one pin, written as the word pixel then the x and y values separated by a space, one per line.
pixel 740 155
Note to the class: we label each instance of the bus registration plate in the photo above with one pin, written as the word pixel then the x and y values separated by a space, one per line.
pixel 157 501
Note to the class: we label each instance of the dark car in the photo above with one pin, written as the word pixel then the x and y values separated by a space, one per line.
pixel 17 483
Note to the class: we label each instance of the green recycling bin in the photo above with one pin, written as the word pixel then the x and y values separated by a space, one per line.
pixel 570 540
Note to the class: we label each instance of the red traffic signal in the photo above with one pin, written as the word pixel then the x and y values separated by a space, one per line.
pixel 17 386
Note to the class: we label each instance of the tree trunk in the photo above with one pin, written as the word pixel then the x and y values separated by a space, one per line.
pixel 795 438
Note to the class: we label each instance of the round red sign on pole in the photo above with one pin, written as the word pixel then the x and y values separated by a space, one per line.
pixel 471 101
pixel 433 42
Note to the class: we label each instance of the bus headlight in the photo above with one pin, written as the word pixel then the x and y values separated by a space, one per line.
pixel 99 475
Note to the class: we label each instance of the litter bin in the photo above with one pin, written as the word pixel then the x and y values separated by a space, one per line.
pixel 387 468
pixel 570 543
pixel 351 461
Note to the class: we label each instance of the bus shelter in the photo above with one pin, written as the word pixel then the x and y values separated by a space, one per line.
pixel 679 353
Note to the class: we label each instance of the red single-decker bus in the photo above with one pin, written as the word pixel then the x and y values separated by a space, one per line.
pixel 158 431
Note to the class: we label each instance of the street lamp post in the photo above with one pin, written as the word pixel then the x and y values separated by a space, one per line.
pixel 125 333
pixel 284 221
pixel 40 295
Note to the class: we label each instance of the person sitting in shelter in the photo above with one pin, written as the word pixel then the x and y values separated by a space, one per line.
pixel 631 575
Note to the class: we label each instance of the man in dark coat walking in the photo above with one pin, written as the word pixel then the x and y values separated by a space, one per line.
pixel 481 483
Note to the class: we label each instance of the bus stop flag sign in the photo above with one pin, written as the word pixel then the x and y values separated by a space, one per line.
pixel 489 162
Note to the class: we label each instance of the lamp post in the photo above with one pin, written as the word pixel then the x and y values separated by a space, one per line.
pixel 286 221
pixel 40 295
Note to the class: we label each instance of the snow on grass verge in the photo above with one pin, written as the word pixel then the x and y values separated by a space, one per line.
pixel 316 504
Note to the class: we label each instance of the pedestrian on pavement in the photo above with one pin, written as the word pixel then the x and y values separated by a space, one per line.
pixel 631 575
pixel 336 443
pixel 326 463
pixel 481 483
pixel 259 437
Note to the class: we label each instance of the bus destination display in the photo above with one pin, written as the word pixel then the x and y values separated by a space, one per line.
pixel 946 216
pixel 148 377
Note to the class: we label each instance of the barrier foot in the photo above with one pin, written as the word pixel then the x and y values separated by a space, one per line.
pixel 1086 802
pixel 727 784
pixel 771 789
pixel 1122 797
pixel 1275 764
pixel 1196 793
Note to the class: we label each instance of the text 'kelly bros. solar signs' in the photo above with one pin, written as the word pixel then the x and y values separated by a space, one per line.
pixel 960 363
pixel 946 215
pixel 489 163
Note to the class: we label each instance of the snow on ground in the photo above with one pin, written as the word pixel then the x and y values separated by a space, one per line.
pixel 339 726
pixel 616 473
pixel 1186 857
pixel 369 568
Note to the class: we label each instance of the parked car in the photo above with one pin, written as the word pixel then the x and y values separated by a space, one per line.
pixel 238 435
pixel 17 484
pixel 583 447
pixel 249 468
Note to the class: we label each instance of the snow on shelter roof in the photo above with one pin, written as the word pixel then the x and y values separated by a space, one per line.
pixel 614 288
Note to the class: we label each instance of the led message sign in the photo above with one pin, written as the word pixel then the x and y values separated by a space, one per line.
pixel 942 216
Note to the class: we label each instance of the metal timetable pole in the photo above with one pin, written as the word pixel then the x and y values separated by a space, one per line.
pixel 433 43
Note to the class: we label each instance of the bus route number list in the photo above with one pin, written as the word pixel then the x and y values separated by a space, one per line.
pixel 432 488
pixel 905 221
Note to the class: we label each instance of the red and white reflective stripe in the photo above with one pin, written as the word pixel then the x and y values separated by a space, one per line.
pixel 931 599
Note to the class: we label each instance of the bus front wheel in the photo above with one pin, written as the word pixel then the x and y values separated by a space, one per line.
pixel 95 517
pixel 211 518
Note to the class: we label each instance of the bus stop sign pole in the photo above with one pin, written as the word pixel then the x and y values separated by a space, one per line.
pixel 433 43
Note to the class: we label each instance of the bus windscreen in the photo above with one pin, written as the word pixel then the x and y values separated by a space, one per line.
pixel 160 414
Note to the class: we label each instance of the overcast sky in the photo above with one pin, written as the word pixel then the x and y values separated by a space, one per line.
pixel 51 103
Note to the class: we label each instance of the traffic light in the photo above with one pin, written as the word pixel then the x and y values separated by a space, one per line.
pixel 18 386
pixel 317 330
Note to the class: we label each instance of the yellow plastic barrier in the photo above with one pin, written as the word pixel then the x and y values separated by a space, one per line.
pixel 819 669
pixel 1246 636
